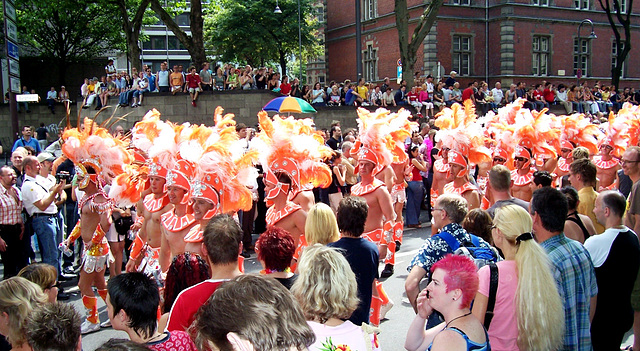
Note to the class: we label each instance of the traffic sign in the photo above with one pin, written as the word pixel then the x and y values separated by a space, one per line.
pixel 14 68
pixel 12 30
pixel 15 84
pixel 399 62
pixel 399 78
pixel 9 11
pixel 12 50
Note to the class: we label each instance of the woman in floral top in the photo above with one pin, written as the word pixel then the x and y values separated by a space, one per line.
pixel 327 292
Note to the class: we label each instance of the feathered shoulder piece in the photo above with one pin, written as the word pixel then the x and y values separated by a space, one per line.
pixel 381 136
pixel 579 131
pixel 534 130
pixel 631 113
pixel 616 132
pixel 293 147
pixel 461 132
pixel 92 145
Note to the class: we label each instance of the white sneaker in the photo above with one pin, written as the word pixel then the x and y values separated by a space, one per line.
pixel 385 308
pixel 88 327
pixel 106 324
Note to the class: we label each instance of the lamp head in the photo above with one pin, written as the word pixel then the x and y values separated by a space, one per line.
pixel 277 10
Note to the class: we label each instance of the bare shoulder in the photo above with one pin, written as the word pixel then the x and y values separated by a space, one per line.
pixel 448 340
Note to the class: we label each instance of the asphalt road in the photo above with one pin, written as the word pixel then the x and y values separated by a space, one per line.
pixel 393 328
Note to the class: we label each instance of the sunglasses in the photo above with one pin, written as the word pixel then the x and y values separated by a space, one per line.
pixel 56 285
pixel 521 159
pixel 498 159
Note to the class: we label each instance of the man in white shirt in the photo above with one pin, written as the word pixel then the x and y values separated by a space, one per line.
pixel 498 94
pixel 52 96
pixel 38 198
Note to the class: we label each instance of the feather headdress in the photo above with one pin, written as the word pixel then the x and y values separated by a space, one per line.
pixel 616 133
pixel 381 136
pixel 462 134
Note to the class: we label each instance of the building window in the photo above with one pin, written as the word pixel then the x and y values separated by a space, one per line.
pixel 581 55
pixel 540 2
pixel 462 54
pixel 183 19
pixel 320 14
pixel 623 6
pixel 370 63
pixel 369 9
pixel 541 54
pixel 462 2
pixel 614 56
pixel 581 4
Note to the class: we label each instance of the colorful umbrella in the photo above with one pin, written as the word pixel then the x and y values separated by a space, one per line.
pixel 289 104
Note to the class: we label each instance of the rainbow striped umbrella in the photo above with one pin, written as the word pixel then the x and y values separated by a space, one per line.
pixel 289 104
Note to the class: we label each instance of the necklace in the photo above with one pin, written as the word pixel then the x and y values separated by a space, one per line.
pixel 451 321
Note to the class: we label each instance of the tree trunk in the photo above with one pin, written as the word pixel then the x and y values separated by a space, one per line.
pixel 283 62
pixel 134 51
pixel 131 28
pixel 194 43
pixel 409 48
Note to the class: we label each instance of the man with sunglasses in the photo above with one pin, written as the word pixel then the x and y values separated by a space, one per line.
pixel 522 175
pixel 564 160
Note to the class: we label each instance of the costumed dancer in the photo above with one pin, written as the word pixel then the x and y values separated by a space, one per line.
pixel 145 251
pixel 222 176
pixel 611 146
pixel 291 153
pixel 531 130
pixel 462 134
pixel 96 155
pixel 380 142
pixel 402 172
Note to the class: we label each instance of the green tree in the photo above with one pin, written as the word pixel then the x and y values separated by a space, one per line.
pixel 67 31
pixel 194 43
pixel 613 8
pixel 409 47
pixel 248 31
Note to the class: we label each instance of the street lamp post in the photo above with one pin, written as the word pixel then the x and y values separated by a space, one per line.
pixel 278 11
pixel 591 36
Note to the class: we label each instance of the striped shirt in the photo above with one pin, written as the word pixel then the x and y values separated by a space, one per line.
pixel 576 280
pixel 10 206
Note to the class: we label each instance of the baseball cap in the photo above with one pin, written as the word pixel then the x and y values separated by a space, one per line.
pixel 45 156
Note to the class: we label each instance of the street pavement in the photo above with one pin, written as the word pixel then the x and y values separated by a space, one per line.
pixel 393 328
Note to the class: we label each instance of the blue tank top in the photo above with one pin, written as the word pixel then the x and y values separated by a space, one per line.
pixel 471 345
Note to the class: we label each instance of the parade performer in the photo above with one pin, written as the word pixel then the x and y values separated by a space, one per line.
pixel 291 153
pixel 531 130
pixel 222 176
pixel 379 144
pixel 611 146
pixel 576 130
pixel 461 133
pixel 97 156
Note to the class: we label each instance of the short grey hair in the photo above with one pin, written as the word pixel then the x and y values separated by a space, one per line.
pixel 347 145
pixel 455 206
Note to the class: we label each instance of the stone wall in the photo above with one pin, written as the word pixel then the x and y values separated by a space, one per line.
pixel 245 105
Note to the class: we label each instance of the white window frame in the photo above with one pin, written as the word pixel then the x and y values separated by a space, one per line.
pixel 614 57
pixel 541 49
pixel 370 63
pixel 585 55
pixel 462 51
pixel 369 9
pixel 582 4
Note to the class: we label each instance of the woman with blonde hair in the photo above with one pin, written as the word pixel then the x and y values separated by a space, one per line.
pixel 327 291
pixel 18 297
pixel 525 283
pixel 45 276
pixel 321 226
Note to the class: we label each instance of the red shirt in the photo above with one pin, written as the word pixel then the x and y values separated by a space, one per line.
pixel 193 80
pixel 175 340
pixel 285 89
pixel 412 96
pixel 549 95
pixel 537 95
pixel 467 93
pixel 188 302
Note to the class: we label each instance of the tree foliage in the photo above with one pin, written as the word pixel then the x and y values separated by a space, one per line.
pixel 248 31
pixel 132 15
pixel 67 31
pixel 409 47
pixel 613 9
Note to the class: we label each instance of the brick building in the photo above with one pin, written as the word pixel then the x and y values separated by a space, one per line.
pixel 528 40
